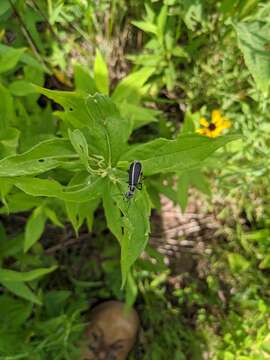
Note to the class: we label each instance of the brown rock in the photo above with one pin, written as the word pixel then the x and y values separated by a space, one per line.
pixel 111 333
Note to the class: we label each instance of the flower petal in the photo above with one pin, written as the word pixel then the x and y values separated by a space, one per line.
pixel 201 131
pixel 203 122
pixel 216 117
pixel 226 124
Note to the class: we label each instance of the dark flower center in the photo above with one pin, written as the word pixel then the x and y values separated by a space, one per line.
pixel 212 127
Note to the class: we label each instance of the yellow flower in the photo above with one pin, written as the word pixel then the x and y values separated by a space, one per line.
pixel 215 127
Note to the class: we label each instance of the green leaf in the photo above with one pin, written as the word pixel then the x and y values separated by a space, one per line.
pixel 34 228
pixel 83 80
pixel 12 247
pixel 265 263
pixel 189 122
pixel 182 190
pixel 112 212
pixel 45 156
pixel 101 74
pixel 161 22
pixel 252 41
pixel 186 152
pixel 4 7
pixel 9 139
pixel 98 118
pixel 74 103
pixel 9 57
pixel 6 108
pixel 130 88
pixel 13 312
pixel 193 13
pixel 131 291
pixel 80 145
pixel 238 263
pixel 198 180
pixel 17 201
pixel 89 190
pixel 139 115
pixel 136 229
pixel 21 88
pixel 111 132
pixel 145 26
pixel 22 290
pixel 51 215
pixel 79 212
pixel 14 276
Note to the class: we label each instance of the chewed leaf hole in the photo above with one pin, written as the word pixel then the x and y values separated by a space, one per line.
pixel 41 160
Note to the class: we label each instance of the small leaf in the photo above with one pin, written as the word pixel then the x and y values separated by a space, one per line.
pixel 34 228
pixel 14 276
pixel 83 80
pixel 101 74
pixel 9 139
pixel 129 89
pixel 9 57
pixel 80 145
pixel 112 212
pixel 13 312
pixel 238 263
pixel 51 215
pixel 21 88
pixel 22 290
pixel 79 212
pixel 161 22
pixel 6 108
pixel 145 26
pixel 182 190
pixel 189 122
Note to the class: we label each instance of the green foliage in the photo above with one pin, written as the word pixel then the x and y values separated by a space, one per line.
pixel 64 155
pixel 253 41
pixel 100 142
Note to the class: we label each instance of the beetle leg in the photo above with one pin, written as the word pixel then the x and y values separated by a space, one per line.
pixel 139 186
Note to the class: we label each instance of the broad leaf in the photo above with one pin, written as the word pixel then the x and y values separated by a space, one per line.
pixel 21 88
pixel 74 104
pixel 13 312
pixel 87 191
pixel 98 118
pixel 139 115
pixel 15 276
pixel 186 152
pixel 9 57
pixel 111 130
pixel 45 156
pixel 34 228
pixel 112 212
pixel 22 290
pixel 253 38
pixel 136 229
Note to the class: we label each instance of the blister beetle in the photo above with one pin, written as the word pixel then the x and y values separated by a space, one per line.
pixel 134 179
